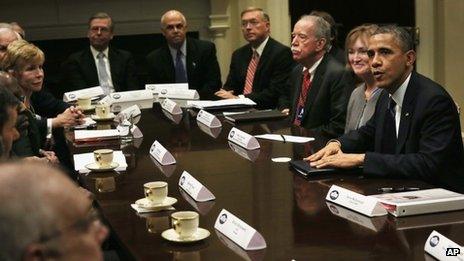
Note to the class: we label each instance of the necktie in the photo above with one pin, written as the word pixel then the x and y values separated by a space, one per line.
pixel 305 86
pixel 251 73
pixel 389 139
pixel 181 76
pixel 104 78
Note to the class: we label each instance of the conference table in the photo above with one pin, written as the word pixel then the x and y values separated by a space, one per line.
pixel 288 209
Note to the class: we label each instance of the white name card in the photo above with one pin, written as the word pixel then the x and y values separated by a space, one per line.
pixel 365 205
pixel 239 232
pixel 122 100
pixel 179 94
pixel 87 92
pixel 375 224
pixel 213 132
pixel 158 88
pixel 107 100
pixel 132 111
pixel 201 207
pixel 176 118
pixel 171 106
pixel 167 170
pixel 194 188
pixel 243 139
pixel 443 248
pixel 163 156
pixel 250 155
pixel 208 119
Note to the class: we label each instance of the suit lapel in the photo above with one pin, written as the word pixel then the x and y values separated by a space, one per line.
pixel 114 63
pixel 315 85
pixel 380 119
pixel 191 59
pixel 297 86
pixel 90 71
pixel 262 60
pixel 407 111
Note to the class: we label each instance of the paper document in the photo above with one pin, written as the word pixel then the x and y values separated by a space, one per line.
pixel 82 135
pixel 221 103
pixel 80 160
pixel 285 138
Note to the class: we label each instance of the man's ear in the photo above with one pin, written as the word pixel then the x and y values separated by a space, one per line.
pixel 321 43
pixel 410 57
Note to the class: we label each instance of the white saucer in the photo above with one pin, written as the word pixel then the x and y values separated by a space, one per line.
pixel 88 108
pixel 171 235
pixel 97 118
pixel 147 204
pixel 97 168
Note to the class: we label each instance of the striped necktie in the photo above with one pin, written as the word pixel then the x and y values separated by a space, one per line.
pixel 251 73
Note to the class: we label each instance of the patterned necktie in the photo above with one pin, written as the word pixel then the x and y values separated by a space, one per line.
pixel 305 86
pixel 389 138
pixel 181 76
pixel 251 73
pixel 104 78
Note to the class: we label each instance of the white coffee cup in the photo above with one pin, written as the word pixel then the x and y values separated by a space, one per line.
pixel 102 110
pixel 84 102
pixel 103 157
pixel 185 223
pixel 156 191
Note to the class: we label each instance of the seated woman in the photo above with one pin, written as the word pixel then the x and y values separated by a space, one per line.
pixel 24 61
pixel 361 105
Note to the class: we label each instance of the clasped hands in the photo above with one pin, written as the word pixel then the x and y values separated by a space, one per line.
pixel 332 156
pixel 70 117
pixel 225 94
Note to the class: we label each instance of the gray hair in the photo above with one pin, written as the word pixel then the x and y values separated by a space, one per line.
pixel 400 34
pixel 171 12
pixel 102 15
pixel 264 15
pixel 321 28
pixel 8 30
pixel 26 215
pixel 6 25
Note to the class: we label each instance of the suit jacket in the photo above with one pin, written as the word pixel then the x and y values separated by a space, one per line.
pixel 271 74
pixel 325 108
pixel 203 71
pixel 80 71
pixel 429 138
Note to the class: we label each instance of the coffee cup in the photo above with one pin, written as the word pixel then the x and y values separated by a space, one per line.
pixel 185 223
pixel 84 102
pixel 103 157
pixel 156 191
pixel 102 110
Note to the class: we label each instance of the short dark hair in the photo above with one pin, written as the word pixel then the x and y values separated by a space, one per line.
pixel 102 15
pixel 401 35
pixel 7 101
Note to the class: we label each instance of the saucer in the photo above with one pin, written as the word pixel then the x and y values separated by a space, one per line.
pixel 96 168
pixel 87 108
pixel 171 235
pixel 147 204
pixel 97 118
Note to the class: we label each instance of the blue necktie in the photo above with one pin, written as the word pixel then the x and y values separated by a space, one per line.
pixel 181 76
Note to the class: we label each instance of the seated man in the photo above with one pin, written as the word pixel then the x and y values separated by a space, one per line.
pixel 45 216
pixel 184 60
pixel 260 69
pixel 415 130
pixel 100 64
pixel 319 100
pixel 9 106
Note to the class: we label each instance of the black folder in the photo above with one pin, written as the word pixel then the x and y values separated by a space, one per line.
pixel 256 116
pixel 305 169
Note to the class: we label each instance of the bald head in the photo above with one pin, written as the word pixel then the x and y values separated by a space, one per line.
pixel 174 28
pixel 7 36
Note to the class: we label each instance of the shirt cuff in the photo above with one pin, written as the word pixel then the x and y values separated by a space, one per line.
pixel 241 96
pixel 49 127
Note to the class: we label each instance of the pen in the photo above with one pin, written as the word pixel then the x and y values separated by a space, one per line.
pixel 283 138
pixel 398 189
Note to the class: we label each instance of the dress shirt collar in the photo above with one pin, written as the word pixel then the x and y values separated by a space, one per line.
pixel 398 95
pixel 313 68
pixel 260 48
pixel 95 52
pixel 183 49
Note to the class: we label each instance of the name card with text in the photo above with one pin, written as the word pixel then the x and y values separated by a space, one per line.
pixel 106 100
pixel 132 111
pixel 365 205
pixel 171 106
pixel 87 92
pixel 162 87
pixel 239 232
pixel 243 139
pixel 179 94
pixel 208 119
pixel 443 248
pixel 163 156
pixel 122 100
pixel 194 188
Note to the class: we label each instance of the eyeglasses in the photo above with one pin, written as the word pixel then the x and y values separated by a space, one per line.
pixel 97 29
pixel 252 23
pixel 171 27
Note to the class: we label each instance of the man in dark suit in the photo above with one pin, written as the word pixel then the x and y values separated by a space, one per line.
pixel 415 131
pixel 318 101
pixel 260 69
pixel 184 60
pixel 100 64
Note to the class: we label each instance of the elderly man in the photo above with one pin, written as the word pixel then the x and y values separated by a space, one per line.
pixel 260 69
pixel 318 101
pixel 183 59
pixel 415 130
pixel 7 36
pixel 100 64
pixel 45 216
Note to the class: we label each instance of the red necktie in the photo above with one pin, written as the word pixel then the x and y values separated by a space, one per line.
pixel 251 73
pixel 302 99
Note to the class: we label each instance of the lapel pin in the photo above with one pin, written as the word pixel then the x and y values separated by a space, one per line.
pixel 406 114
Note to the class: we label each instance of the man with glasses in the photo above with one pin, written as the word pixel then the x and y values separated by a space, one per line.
pixel 318 101
pixel 183 59
pixel 45 216
pixel 260 69
pixel 100 64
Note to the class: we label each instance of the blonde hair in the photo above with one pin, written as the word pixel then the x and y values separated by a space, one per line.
pixel 364 32
pixel 19 53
